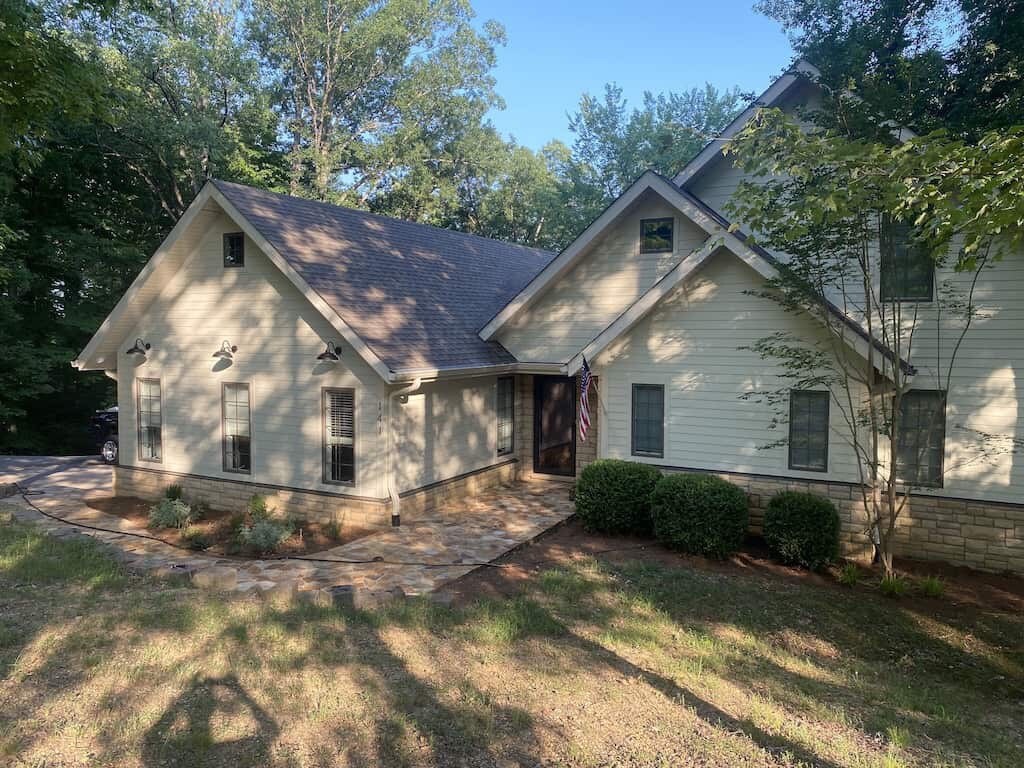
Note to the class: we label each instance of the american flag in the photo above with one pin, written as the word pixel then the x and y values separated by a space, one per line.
pixel 585 377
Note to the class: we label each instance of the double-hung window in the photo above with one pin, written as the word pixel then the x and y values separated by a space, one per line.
pixel 808 430
pixel 150 419
pixel 505 409
pixel 237 428
pixel 234 249
pixel 648 420
pixel 907 271
pixel 339 436
pixel 921 438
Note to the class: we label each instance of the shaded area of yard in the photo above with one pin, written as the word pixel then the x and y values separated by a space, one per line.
pixel 629 658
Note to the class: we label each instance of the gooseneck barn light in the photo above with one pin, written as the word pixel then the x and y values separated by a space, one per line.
pixel 139 348
pixel 331 354
pixel 225 351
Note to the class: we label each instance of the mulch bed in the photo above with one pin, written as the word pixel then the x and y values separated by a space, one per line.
pixel 964 588
pixel 218 528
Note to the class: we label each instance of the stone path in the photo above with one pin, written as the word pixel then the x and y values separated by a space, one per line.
pixel 414 559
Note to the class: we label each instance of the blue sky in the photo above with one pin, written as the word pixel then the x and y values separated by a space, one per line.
pixel 560 48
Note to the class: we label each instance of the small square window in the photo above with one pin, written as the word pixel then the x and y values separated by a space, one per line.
pixel 656 235
pixel 234 249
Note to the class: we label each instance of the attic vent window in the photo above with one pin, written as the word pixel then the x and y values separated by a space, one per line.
pixel 234 249
pixel 656 236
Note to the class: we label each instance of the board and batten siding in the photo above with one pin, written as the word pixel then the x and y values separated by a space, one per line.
pixel 690 343
pixel 278 334
pixel 446 429
pixel 571 312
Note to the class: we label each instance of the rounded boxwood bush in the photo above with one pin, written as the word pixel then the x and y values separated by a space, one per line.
pixel 700 514
pixel 614 496
pixel 802 529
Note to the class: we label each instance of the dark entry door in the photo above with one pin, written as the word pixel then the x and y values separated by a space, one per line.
pixel 554 419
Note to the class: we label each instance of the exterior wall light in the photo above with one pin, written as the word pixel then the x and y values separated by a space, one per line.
pixel 139 348
pixel 331 354
pixel 225 351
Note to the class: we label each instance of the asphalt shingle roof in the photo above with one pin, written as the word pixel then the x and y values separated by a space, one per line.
pixel 417 295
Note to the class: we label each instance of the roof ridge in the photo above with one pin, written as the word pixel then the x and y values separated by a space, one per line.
pixel 383 217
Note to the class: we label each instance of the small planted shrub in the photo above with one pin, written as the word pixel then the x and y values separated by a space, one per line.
pixel 893 585
pixel 700 514
pixel 258 507
pixel 173 492
pixel 170 513
pixel 265 535
pixel 195 539
pixel 932 586
pixel 849 575
pixel 613 496
pixel 199 511
pixel 802 529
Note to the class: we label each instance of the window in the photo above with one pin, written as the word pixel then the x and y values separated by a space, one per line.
pixel 655 235
pixel 148 399
pixel 920 444
pixel 648 420
pixel 506 415
pixel 237 432
pixel 808 430
pixel 339 436
pixel 234 249
pixel 907 271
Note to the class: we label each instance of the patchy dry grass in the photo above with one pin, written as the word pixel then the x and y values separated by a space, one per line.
pixel 632 664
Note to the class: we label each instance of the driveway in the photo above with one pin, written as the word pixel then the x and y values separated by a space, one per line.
pixel 413 559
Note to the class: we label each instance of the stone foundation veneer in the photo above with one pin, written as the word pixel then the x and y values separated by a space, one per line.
pixel 221 493
pixel 988 536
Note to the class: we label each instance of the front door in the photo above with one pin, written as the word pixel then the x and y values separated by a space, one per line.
pixel 554 425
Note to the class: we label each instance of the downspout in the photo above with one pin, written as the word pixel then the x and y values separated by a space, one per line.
pixel 396 503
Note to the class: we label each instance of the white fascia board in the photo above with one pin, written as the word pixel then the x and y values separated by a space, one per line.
pixel 84 360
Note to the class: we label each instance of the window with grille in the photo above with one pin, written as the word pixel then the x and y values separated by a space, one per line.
pixel 907 271
pixel 648 420
pixel 808 430
pixel 234 249
pixel 506 415
pixel 921 438
pixel 339 436
pixel 237 428
pixel 150 420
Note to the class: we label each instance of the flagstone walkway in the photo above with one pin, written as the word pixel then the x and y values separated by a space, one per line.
pixel 413 559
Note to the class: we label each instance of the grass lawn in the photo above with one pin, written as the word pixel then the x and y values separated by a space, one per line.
pixel 598 662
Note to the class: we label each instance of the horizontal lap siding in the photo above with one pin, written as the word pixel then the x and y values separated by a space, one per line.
pixel 581 303
pixel 278 334
pixel 689 344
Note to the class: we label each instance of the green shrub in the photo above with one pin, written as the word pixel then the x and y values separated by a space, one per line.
pixel 258 507
pixel 194 539
pixel 173 492
pixel 199 511
pixel 613 496
pixel 893 585
pixel 802 529
pixel 932 586
pixel 170 513
pixel 701 514
pixel 265 535
pixel 849 575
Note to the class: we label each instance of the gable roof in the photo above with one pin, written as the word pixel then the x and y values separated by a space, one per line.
pixel 409 297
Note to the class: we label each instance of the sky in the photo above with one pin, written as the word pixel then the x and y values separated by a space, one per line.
pixel 559 49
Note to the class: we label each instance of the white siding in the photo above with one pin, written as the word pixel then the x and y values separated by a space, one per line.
pixel 610 277
pixel 278 334
pixel 447 429
pixel 689 343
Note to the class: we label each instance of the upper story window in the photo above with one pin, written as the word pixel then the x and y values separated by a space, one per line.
pixel 808 430
pixel 907 271
pixel 234 249
pixel 656 235
pixel 921 442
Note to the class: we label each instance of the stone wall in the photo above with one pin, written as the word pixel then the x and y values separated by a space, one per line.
pixel 220 493
pixel 988 536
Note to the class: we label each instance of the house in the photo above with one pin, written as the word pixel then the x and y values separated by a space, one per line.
pixel 370 368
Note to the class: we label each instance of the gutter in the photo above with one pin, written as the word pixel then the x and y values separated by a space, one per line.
pixel 414 374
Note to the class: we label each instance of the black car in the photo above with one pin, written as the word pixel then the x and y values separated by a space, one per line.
pixel 103 428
